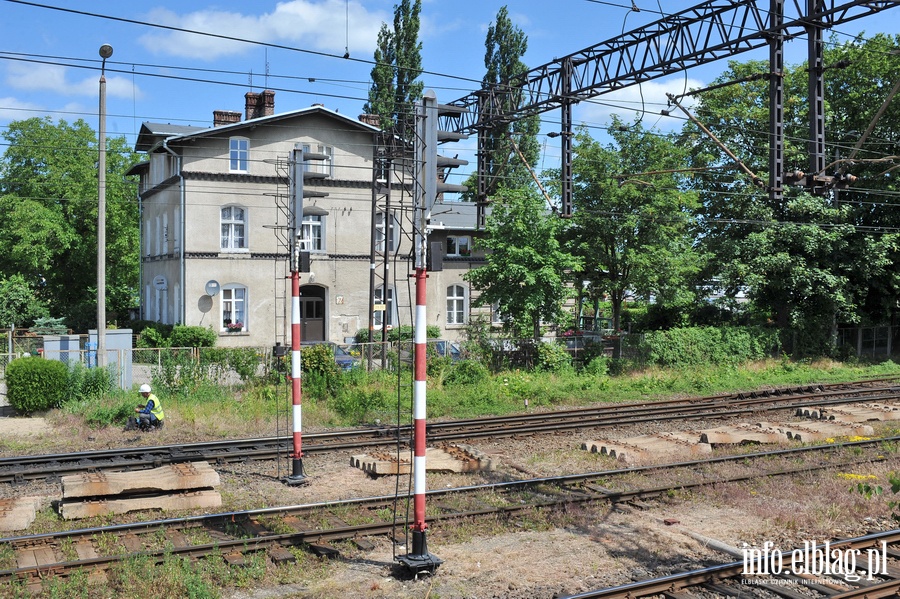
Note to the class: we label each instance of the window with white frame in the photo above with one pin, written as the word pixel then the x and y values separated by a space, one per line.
pixel 456 304
pixel 239 154
pixel 387 316
pixel 234 227
pixel 381 223
pixel 319 166
pixel 313 234
pixel 459 245
pixel 234 308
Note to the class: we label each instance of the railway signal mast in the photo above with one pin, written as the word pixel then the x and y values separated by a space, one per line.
pixel 299 171
pixel 427 187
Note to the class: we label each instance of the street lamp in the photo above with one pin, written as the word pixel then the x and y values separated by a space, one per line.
pixel 105 52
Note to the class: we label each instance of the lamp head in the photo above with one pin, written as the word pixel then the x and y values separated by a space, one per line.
pixel 106 51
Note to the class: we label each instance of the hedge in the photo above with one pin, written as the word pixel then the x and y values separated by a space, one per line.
pixel 694 346
pixel 35 384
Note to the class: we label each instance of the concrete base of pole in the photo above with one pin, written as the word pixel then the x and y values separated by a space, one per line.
pixel 420 560
pixel 298 476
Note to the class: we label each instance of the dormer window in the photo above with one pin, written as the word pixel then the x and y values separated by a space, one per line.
pixel 239 154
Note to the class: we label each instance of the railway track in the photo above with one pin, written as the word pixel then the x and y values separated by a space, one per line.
pixel 875 573
pixel 19 469
pixel 236 536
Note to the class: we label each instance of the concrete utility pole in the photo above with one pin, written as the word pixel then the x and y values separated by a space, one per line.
pixel 105 52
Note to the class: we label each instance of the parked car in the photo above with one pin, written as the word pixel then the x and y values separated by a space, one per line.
pixel 343 358
pixel 441 347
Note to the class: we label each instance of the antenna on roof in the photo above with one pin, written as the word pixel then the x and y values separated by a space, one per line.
pixel 267 68
pixel 347 44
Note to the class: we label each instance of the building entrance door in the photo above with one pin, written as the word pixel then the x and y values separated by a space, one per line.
pixel 312 314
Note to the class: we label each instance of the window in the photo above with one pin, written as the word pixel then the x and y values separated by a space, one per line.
pixel 326 166
pixel 459 245
pixel 239 154
pixel 313 234
pixel 234 308
pixel 497 316
pixel 456 304
pixel 389 311
pixel 234 224
pixel 380 220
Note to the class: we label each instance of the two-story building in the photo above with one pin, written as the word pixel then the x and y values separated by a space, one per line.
pixel 215 237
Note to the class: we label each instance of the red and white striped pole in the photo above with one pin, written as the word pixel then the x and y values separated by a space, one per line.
pixel 419 560
pixel 298 476
pixel 420 378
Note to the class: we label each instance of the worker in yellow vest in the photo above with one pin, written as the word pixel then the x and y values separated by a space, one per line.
pixel 150 414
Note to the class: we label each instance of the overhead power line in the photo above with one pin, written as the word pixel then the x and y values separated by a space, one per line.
pixel 224 37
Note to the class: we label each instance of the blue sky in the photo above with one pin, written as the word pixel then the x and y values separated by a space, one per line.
pixel 49 61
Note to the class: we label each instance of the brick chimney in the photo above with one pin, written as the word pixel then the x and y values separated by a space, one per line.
pixel 370 119
pixel 225 117
pixel 259 105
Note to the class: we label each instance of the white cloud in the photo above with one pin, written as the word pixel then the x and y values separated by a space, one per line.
pixel 55 79
pixel 327 26
pixel 14 109
pixel 648 98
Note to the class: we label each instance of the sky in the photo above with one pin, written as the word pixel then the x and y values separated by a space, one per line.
pixel 50 63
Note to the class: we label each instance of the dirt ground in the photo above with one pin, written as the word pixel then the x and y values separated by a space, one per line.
pixel 586 548
pixel 14 426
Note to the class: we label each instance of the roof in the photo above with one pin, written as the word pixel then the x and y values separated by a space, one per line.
pixel 140 167
pixel 152 134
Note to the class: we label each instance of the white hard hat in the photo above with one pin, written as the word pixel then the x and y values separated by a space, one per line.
pixel 145 388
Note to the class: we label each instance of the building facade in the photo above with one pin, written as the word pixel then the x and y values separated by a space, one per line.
pixel 215 214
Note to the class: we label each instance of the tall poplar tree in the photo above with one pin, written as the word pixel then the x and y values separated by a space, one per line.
pixel 505 45
pixel 398 63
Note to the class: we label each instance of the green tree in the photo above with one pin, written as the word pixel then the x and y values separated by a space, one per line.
pixel 807 262
pixel 48 217
pixel 381 92
pixel 525 275
pixel 793 264
pixel 632 229
pixel 511 148
pixel 398 63
pixel 20 303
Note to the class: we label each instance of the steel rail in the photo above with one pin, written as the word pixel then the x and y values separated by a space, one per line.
pixel 21 468
pixel 562 484
pixel 676 582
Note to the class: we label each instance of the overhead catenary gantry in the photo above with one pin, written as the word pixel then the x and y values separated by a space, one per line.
pixel 695 36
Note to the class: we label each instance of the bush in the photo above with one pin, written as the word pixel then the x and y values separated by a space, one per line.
pixel 155 335
pixel 35 384
pixel 466 372
pixel 598 366
pixel 88 383
pixel 552 357
pixel 183 336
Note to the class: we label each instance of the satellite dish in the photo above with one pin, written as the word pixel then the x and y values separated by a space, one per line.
pixel 205 303
pixel 212 287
